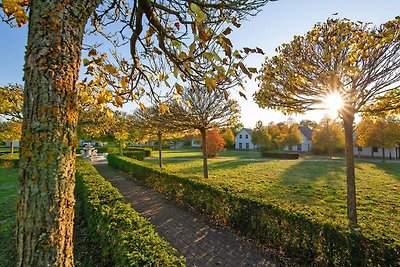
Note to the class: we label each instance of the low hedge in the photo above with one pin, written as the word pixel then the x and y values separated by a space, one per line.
pixel 147 150
pixel 138 154
pixel 9 160
pixel 298 235
pixel 106 149
pixel 279 155
pixel 126 238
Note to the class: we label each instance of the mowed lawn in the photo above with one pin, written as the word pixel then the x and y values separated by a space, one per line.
pixel 193 153
pixel 8 196
pixel 315 188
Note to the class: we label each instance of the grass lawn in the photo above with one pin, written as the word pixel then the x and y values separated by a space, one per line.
pixel 315 188
pixel 8 196
pixel 194 153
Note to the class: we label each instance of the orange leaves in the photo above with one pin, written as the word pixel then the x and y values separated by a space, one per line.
pixel 16 8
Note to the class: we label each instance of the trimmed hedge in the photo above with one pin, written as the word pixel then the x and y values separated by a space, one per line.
pixel 106 149
pixel 126 238
pixel 147 150
pixel 316 242
pixel 135 154
pixel 279 155
pixel 9 160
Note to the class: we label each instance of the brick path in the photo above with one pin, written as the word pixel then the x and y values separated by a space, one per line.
pixel 194 238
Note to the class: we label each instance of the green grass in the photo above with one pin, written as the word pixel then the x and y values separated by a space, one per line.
pixel 197 153
pixel 4 149
pixel 315 188
pixel 8 195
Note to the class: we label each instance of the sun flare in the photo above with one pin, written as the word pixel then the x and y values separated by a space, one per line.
pixel 333 103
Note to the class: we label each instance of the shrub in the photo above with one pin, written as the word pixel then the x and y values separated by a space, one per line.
pixel 126 238
pixel 9 160
pixel 106 149
pixel 147 150
pixel 316 242
pixel 135 154
pixel 279 155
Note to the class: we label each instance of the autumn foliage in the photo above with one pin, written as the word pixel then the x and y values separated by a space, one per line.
pixel 215 143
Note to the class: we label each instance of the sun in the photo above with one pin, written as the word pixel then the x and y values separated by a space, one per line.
pixel 333 103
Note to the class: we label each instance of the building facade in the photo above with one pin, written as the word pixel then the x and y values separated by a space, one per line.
pixel 243 139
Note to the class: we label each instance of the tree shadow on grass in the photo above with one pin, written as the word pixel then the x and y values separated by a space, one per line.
pixel 392 169
pixel 312 183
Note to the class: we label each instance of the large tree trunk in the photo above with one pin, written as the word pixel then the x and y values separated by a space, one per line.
pixel 45 210
pixel 159 135
pixel 348 120
pixel 203 132
pixel 383 154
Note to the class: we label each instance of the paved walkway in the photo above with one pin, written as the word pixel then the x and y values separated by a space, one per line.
pixel 193 237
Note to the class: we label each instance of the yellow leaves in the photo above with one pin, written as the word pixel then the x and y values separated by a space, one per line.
pixel 86 62
pixel 200 16
pixel 210 83
pixel 124 82
pixel 164 108
pixel 148 35
pixel 111 69
pixel 179 88
pixel 105 96
pixel 16 8
pixel 118 101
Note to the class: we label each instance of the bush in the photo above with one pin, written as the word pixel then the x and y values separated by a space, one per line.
pixel 279 155
pixel 126 238
pixel 147 150
pixel 9 160
pixel 316 242
pixel 138 154
pixel 106 149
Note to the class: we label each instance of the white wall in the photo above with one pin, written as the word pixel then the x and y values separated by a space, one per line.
pixel 366 151
pixel 305 145
pixel 244 138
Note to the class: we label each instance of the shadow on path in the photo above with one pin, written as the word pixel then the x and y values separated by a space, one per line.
pixel 194 238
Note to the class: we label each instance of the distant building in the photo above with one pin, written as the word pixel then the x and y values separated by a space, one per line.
pixel 393 153
pixel 243 139
pixel 306 143
pixel 15 144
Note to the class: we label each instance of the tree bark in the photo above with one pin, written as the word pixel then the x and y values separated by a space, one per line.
pixel 45 209
pixel 383 154
pixel 203 132
pixel 159 135
pixel 348 120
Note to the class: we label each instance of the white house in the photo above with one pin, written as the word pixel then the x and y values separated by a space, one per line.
pixel 393 153
pixel 15 144
pixel 306 143
pixel 243 140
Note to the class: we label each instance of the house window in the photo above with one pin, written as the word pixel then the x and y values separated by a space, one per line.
pixel 359 149
pixel 247 145
pixel 299 147
pixel 247 136
pixel 240 136
pixel 374 149
pixel 240 145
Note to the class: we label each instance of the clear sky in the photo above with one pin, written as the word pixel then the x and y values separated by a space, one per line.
pixel 276 24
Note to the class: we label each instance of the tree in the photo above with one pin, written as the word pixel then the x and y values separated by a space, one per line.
pixel 10 131
pixel 352 59
pixel 328 137
pixel 293 136
pixel 45 221
pixel 215 143
pixel 308 123
pixel 229 138
pixel 11 99
pixel 202 109
pixel 381 132
pixel 261 137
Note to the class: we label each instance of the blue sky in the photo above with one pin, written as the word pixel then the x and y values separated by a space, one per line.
pixel 276 24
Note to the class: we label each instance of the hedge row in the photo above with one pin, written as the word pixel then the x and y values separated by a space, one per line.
pixel 146 150
pixel 278 155
pixel 126 238
pixel 9 160
pixel 316 242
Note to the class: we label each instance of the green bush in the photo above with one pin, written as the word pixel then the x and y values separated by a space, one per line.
pixel 126 238
pixel 316 242
pixel 106 149
pixel 279 155
pixel 147 150
pixel 9 160
pixel 138 154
